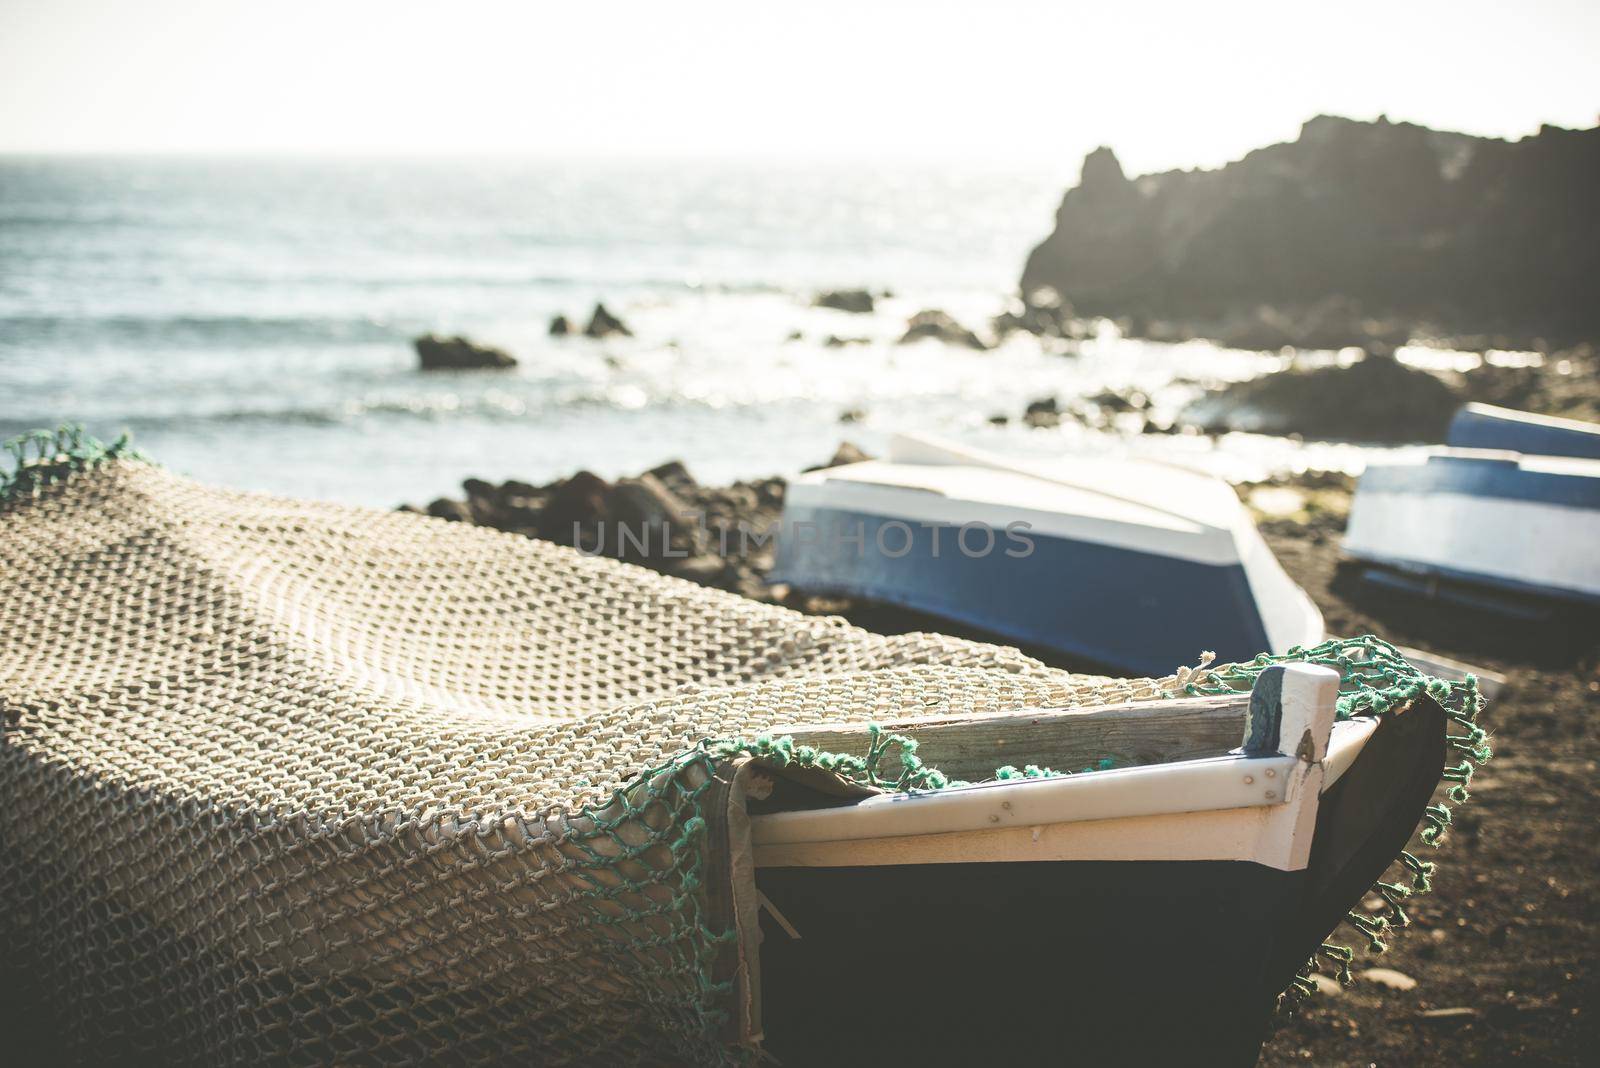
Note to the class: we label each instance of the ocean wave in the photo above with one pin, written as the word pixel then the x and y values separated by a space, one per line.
pixel 166 331
pixel 492 406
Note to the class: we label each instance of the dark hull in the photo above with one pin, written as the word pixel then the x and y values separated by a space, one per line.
pixel 1125 962
pixel 944 963
pixel 1517 600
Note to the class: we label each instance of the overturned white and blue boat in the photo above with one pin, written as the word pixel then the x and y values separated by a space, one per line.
pixel 1504 530
pixel 1131 564
pixel 1484 426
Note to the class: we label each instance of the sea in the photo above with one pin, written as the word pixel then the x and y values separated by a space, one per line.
pixel 249 320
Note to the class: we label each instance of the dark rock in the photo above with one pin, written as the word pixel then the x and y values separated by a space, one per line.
pixel 575 506
pixel 647 502
pixel 1354 233
pixel 941 327
pixel 676 477
pixel 852 415
pixel 834 341
pixel 1376 399
pixel 1043 413
pixel 770 492
pixel 847 453
pixel 511 489
pixel 858 301
pixel 999 419
pixel 661 526
pixel 1117 403
pixel 512 506
pixel 795 335
pixel 438 353
pixel 454 511
pixel 603 324
pixel 560 326
pixel 483 500
pixel 717 536
pixel 1046 319
pixel 477 487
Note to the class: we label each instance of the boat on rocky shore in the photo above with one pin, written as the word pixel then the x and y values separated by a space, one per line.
pixel 1042 915
pixel 1486 426
pixel 1480 524
pixel 1126 563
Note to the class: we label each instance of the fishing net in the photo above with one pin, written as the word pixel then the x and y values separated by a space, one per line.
pixel 296 782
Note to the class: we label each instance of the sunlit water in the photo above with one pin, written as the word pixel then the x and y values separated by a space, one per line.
pixel 250 321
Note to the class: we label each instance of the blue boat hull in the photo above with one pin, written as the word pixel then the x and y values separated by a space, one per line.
pixel 1129 610
pixel 1480 426
pixel 1465 524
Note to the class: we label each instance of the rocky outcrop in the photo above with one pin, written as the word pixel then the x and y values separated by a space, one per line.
pixel 848 452
pixel 603 324
pixel 1375 399
pixel 560 326
pixel 1043 414
pixel 941 327
pixel 1354 232
pixel 438 353
pixel 662 519
pixel 857 301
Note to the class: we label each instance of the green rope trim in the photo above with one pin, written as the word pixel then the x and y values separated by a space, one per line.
pixel 906 774
pixel 44 458
pixel 912 775
pixel 1376 680
pixel 1374 677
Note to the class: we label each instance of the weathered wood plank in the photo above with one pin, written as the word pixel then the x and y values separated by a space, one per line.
pixel 972 747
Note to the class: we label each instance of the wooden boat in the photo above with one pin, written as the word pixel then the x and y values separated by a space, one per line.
pixel 1132 564
pixel 1484 426
pixel 1506 531
pixel 1147 914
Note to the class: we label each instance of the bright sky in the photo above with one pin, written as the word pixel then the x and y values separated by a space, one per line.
pixel 1166 82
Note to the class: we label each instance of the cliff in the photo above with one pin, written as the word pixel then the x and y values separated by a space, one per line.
pixel 1353 222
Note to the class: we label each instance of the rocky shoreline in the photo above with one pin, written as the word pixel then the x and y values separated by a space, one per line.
pixel 1369 398
pixel 689 529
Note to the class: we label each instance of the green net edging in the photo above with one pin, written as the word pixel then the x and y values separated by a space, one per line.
pixel 913 775
pixel 643 855
pixel 45 457
pixel 1376 680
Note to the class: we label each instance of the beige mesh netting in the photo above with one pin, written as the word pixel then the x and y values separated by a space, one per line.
pixel 294 781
